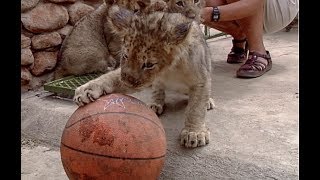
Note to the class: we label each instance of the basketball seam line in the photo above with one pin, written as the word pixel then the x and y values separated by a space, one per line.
pixel 113 157
pixel 115 113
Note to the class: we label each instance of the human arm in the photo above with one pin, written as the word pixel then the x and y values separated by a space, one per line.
pixel 233 11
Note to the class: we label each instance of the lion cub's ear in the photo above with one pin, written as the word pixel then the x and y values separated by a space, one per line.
pixel 181 31
pixel 175 26
pixel 178 33
pixel 120 18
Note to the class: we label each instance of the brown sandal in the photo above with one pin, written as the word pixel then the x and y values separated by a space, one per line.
pixel 255 66
pixel 237 54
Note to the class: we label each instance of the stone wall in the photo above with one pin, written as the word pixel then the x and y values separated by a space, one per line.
pixel 44 25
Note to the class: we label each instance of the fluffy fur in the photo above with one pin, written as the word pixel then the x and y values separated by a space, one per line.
pixel 167 51
pixel 189 8
pixel 91 47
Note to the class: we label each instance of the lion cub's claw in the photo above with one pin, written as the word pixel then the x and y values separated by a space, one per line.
pixel 210 104
pixel 87 93
pixel 157 108
pixel 191 139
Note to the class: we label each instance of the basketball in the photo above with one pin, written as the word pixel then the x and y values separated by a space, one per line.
pixel 115 137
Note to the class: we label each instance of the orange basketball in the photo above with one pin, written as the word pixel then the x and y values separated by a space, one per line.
pixel 115 137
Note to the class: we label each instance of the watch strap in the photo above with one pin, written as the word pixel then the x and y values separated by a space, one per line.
pixel 215 14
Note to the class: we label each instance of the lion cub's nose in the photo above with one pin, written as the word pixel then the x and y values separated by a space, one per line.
pixel 191 15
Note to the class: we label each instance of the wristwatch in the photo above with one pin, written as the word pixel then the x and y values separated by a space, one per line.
pixel 215 14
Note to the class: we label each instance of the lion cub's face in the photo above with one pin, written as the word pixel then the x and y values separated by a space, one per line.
pixel 189 8
pixel 149 43
pixel 142 59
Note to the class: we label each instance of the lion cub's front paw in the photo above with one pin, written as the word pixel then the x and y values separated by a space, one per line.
pixel 191 139
pixel 157 108
pixel 87 93
pixel 210 104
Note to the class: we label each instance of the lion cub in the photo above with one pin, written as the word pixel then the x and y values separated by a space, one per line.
pixel 189 8
pixel 167 50
pixel 91 47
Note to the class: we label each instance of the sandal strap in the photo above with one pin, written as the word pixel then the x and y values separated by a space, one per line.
pixel 254 63
pixel 239 40
pixel 235 49
pixel 264 56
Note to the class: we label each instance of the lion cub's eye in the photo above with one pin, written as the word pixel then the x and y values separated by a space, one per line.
pixel 148 65
pixel 196 1
pixel 180 3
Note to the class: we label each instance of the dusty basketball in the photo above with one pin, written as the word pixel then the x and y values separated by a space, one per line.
pixel 115 137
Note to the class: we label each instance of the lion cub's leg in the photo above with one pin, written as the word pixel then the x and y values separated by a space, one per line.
pixel 195 133
pixel 105 84
pixel 210 103
pixel 158 97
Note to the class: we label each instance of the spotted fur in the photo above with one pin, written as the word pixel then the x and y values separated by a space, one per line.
pixel 189 8
pixel 91 47
pixel 167 51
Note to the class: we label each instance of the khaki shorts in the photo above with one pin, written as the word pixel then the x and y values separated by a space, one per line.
pixel 278 14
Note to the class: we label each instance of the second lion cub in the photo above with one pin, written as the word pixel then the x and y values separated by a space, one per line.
pixel 167 50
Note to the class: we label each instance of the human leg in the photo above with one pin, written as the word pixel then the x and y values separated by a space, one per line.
pixel 229 27
pixel 238 52
pixel 252 27
pixel 259 60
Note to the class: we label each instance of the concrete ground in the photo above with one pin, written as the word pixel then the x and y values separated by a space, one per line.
pixel 254 127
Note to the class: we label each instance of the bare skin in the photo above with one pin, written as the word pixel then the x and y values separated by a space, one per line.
pixel 239 18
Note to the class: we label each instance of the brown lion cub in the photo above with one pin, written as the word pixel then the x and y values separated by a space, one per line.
pixel 189 8
pixel 166 50
pixel 91 47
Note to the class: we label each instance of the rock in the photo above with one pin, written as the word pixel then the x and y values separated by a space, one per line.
pixel 26 33
pixel 62 1
pixel 52 49
pixel 45 17
pixel 43 61
pixel 25 76
pixel 47 40
pixel 25 41
pixel 26 57
pixel 65 31
pixel 39 81
pixel 28 4
pixel 77 11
